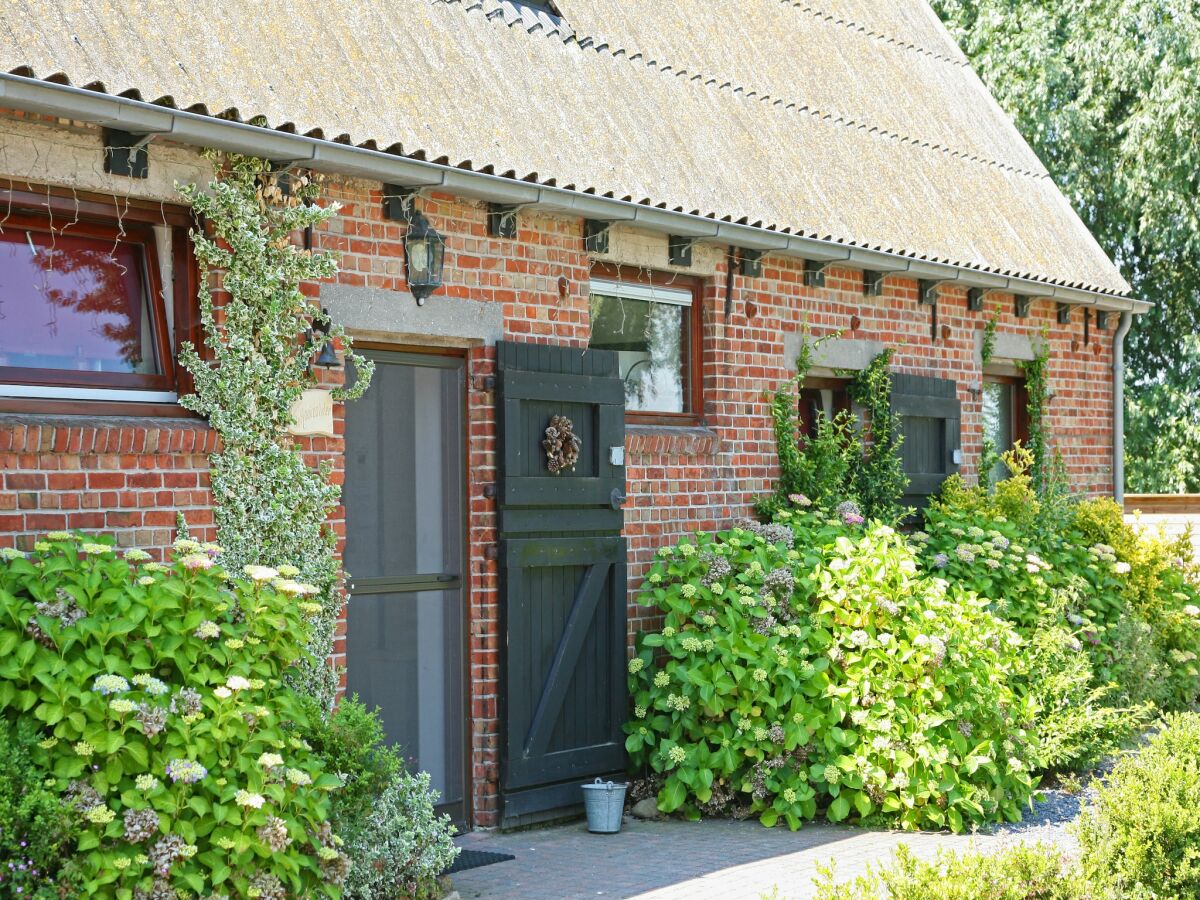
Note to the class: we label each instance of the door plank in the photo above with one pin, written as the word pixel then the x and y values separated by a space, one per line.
pixel 566 655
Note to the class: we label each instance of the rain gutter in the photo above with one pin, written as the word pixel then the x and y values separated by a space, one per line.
pixel 139 117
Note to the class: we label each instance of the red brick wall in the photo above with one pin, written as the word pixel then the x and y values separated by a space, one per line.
pixel 126 477
pixel 130 477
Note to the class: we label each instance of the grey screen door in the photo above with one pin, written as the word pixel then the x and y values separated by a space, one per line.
pixel 404 552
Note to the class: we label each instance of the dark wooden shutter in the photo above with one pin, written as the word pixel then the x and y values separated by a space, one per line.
pixel 563 579
pixel 931 421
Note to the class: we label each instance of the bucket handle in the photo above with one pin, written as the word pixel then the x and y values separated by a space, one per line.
pixel 610 785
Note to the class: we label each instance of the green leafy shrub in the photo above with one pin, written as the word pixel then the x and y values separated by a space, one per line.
pixel 1020 872
pixel 397 844
pixel 810 663
pixel 1141 838
pixel 1079 722
pixel 160 693
pixel 401 846
pixel 36 831
pixel 1153 577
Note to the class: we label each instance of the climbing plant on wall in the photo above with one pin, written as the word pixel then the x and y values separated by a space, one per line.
pixel 1037 386
pixel 880 480
pixel 271 506
pixel 835 464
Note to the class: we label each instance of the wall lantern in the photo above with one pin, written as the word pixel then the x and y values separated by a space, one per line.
pixel 425 251
pixel 424 248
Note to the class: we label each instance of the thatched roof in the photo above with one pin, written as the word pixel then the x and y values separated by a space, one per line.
pixel 852 120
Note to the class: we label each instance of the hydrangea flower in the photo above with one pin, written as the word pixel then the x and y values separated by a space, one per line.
pixel 135 555
pixel 832 774
pixel 121 706
pixel 789 795
pixel 964 553
pixel 198 561
pixel 185 771
pixel 245 798
pixel 222 692
pixel 60 536
pixel 11 553
pixel 237 683
pixel 799 500
pixel 270 760
pixel 940 560
pixel 1191 610
pixel 235 643
pixel 146 782
pixel 288 571
pixel 760 674
pixel 1122 568
pixel 309 609
pixel 260 573
pixel 187 545
pixel 150 684
pixel 207 630
pixel 859 638
pixel 294 588
pixel 298 777
pixel 110 684
pixel 145 580
pixel 678 702
pixel 99 815
pixel 662 679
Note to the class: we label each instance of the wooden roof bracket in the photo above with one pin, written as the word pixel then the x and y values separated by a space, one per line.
pixel 814 275
pixel 976 296
pixel 927 291
pixel 873 280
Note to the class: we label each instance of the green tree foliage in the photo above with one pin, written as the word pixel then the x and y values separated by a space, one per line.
pixel 1105 92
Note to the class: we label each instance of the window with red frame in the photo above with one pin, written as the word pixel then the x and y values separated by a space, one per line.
pixel 653 325
pixel 83 312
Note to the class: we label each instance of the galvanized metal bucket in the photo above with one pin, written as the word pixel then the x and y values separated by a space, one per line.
pixel 604 802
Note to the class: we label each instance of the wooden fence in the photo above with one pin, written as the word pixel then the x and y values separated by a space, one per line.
pixel 1171 512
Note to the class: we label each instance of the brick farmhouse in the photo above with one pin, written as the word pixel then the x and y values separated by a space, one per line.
pixel 644 207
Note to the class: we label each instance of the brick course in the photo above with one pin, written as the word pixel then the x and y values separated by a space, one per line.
pixel 131 476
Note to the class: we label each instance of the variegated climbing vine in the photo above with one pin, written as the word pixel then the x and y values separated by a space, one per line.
pixel 271 506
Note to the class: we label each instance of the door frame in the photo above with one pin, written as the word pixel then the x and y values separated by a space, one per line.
pixel 449 358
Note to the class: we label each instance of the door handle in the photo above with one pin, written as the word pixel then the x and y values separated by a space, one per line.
pixel 617 498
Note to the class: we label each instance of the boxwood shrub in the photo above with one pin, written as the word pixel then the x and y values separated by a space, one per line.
pixel 810 663
pixel 160 696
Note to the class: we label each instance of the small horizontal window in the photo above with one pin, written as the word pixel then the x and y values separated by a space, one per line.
pixel 81 307
pixel 650 328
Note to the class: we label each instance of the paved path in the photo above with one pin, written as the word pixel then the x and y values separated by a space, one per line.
pixel 713 860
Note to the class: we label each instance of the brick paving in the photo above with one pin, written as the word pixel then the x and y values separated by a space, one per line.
pixel 714 860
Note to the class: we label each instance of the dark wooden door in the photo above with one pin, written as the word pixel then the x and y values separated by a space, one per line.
pixel 563 578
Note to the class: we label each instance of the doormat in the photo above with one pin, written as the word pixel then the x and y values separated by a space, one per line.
pixel 474 859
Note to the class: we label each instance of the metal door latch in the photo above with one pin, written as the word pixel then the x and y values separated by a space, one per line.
pixel 617 498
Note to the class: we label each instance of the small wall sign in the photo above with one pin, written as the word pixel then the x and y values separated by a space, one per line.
pixel 312 414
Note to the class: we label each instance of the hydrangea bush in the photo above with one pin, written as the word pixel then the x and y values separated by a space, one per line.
pixel 1125 596
pixel 161 698
pixel 809 663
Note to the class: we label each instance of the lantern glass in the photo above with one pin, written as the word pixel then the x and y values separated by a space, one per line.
pixel 425 250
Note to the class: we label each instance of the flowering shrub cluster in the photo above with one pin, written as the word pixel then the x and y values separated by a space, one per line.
pixel 160 697
pixel 1115 631
pixel 810 663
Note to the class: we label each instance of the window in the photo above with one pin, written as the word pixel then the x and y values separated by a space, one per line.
pixel 654 330
pixel 1005 417
pixel 83 315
